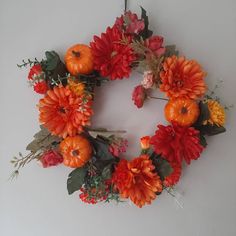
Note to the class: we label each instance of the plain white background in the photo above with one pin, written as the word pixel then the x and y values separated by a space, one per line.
pixel 37 203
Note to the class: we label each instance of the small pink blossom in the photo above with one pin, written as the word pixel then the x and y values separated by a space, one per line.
pixel 117 146
pixel 154 43
pixel 51 158
pixel 148 79
pixel 130 23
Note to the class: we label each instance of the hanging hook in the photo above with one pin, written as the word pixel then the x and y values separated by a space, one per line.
pixel 126 5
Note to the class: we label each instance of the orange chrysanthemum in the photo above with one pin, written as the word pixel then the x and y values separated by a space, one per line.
pixel 182 78
pixel 64 113
pixel 137 180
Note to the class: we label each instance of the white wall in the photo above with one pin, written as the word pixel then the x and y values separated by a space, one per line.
pixel 37 203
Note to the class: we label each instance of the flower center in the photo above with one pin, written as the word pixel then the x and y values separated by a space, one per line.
pixel 62 110
pixel 113 54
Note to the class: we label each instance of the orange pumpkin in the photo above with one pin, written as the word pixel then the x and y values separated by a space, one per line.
pixel 76 151
pixel 79 59
pixel 182 111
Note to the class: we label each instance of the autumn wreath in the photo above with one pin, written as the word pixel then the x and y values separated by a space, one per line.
pixel 100 173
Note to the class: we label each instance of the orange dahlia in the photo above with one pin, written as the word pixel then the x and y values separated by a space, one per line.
pixel 182 78
pixel 137 180
pixel 64 113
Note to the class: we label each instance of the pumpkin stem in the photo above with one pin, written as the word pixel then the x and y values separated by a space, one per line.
pixel 184 110
pixel 165 99
pixel 75 152
pixel 77 54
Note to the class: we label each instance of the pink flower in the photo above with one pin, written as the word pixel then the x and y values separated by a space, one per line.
pixel 148 79
pixel 139 96
pixel 154 43
pixel 117 146
pixel 35 71
pixel 51 158
pixel 130 23
pixel 41 87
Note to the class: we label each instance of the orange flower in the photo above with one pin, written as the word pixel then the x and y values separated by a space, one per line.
pixel 76 87
pixel 182 78
pixel 137 180
pixel 145 142
pixel 63 113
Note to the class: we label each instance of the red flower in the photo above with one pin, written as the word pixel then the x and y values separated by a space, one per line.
pixel 174 177
pixel 139 96
pixel 41 87
pixel 176 143
pixel 122 177
pixel 130 23
pixel 112 58
pixel 154 43
pixel 118 146
pixel 35 70
pixel 51 158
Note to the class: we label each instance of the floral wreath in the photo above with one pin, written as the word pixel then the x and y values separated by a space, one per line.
pixel 100 173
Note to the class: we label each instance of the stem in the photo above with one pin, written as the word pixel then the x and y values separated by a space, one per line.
pixel 77 54
pixel 151 97
pixel 101 130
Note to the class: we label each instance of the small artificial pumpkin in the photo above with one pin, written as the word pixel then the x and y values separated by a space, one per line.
pixel 76 151
pixel 182 111
pixel 79 59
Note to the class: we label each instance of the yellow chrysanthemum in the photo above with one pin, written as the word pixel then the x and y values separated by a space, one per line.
pixel 76 87
pixel 217 113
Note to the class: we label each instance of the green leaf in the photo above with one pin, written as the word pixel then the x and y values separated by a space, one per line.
pixel 107 172
pixel 52 59
pixel 42 139
pixel 101 148
pixel 170 51
pixel 211 130
pixel 146 33
pixel 76 179
pixel 204 114
pixel 203 141
pixel 162 166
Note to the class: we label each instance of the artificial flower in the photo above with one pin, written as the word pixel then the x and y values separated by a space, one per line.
pixel 51 158
pixel 41 87
pixel 137 180
pixel 174 177
pixel 139 96
pixel 93 195
pixel 76 87
pixel 118 146
pixel 148 79
pixel 176 143
pixel 130 23
pixel 63 113
pixel 182 78
pixel 145 142
pixel 217 113
pixel 35 72
pixel 154 43
pixel 112 58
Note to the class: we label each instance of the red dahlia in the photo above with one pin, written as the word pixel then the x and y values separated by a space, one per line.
pixel 176 143
pixel 112 58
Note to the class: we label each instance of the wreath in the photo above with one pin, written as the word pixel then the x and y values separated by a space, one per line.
pixel 100 171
